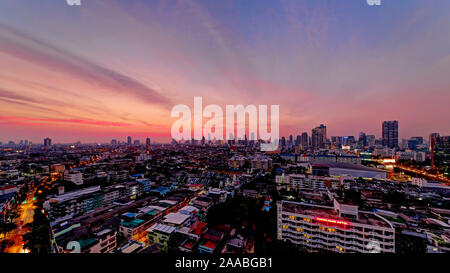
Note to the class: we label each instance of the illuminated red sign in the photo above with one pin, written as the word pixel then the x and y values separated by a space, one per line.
pixel 332 221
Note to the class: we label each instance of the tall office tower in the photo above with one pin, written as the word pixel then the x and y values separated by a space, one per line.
pixel 129 140
pixel 348 140
pixel 412 143
pixel 298 140
pixel 283 142
pixel 390 134
pixel 47 142
pixel 432 139
pixel 319 136
pixel 304 141
pixel 147 142
pixel 441 154
pixel 291 140
pixel 362 141
pixel 337 141
pixel 113 142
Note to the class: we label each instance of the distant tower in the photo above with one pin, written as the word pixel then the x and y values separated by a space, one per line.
pixel 390 134
pixel 433 137
pixel 304 140
pixel 47 142
pixel 319 136
pixel 129 140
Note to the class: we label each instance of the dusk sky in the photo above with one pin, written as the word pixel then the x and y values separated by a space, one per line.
pixel 113 68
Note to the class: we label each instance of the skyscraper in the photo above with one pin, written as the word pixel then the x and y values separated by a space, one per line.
pixel 337 141
pixel 298 140
pixel 319 136
pixel 432 139
pixel 304 140
pixel 390 134
pixel 441 154
pixel 147 141
pixel 129 140
pixel 362 141
pixel 47 142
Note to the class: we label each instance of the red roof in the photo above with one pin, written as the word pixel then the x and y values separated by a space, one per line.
pixel 7 187
pixel 198 227
pixel 210 244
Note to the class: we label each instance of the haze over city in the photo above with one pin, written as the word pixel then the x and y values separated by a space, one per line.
pixel 109 69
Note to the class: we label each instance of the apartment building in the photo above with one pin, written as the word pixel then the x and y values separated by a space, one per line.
pixel 303 181
pixel 342 228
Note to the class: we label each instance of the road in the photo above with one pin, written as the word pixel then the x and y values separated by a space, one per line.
pixel 26 213
pixel 430 176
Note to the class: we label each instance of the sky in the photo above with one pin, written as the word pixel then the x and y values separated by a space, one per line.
pixel 112 68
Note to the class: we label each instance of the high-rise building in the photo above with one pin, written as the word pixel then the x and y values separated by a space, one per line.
pixel 441 154
pixel 362 141
pixel 390 133
pixel 304 141
pixel 137 142
pixel 431 140
pixel 298 140
pixel 342 228
pixel 319 136
pixel 337 141
pixel 348 140
pixel 283 141
pixel 113 142
pixel 47 142
pixel 147 142
pixel 129 140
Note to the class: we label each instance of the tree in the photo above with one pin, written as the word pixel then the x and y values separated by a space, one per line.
pixel 38 239
pixel 406 244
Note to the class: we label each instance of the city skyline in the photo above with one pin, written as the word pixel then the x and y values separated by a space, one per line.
pixel 72 73
pixel 142 138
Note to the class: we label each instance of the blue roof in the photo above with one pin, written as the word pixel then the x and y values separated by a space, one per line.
pixel 162 190
pixel 129 214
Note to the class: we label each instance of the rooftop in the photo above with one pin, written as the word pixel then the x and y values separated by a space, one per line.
pixel 176 218
pixel 365 218
pixel 342 165
pixel 161 228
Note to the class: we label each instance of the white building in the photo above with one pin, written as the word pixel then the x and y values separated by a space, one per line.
pixel 74 177
pixel 302 181
pixel 342 228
